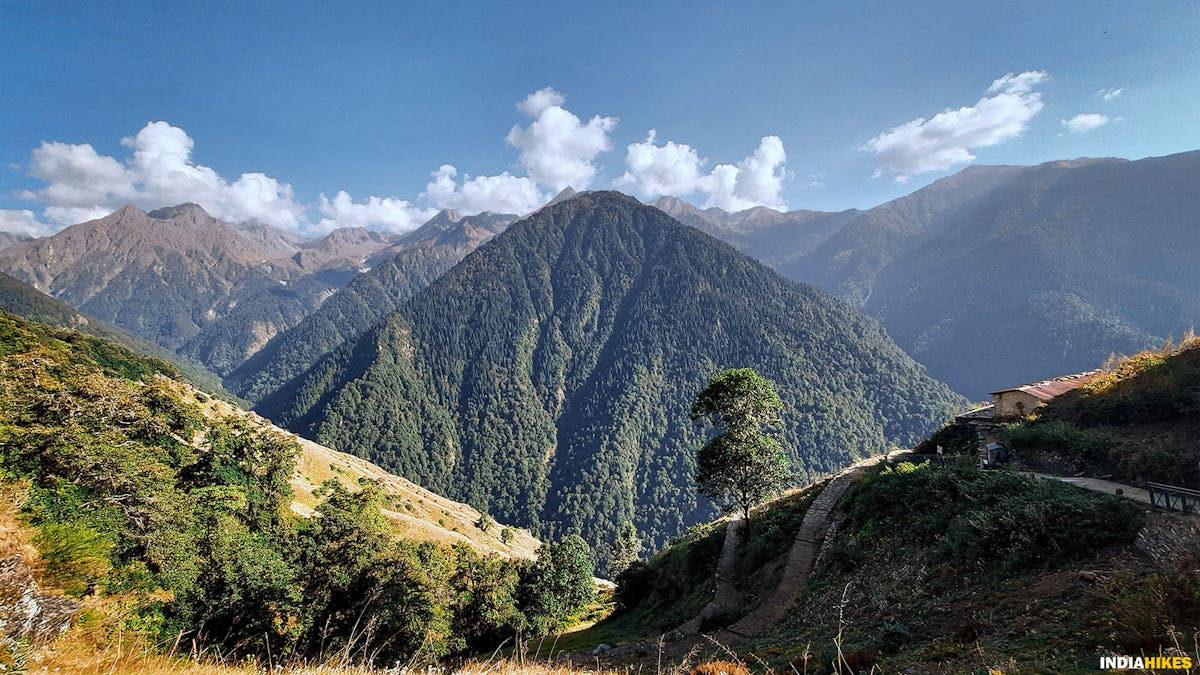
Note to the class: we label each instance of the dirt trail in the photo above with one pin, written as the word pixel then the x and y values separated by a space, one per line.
pixel 725 593
pixel 800 559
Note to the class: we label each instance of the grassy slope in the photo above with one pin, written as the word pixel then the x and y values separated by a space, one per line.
pixel 84 377
pixel 940 570
pixel 676 583
pixel 414 512
pixel 1137 422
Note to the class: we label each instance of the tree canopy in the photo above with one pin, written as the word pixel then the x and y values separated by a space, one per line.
pixel 744 464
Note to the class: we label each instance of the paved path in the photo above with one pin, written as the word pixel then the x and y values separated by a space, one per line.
pixel 1107 487
pixel 725 593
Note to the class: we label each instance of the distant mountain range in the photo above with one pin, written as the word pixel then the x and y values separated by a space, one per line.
pixel 29 303
pixel 1002 274
pixel 428 252
pixel 548 376
pixel 211 291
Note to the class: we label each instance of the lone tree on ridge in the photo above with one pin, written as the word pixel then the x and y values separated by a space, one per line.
pixel 743 465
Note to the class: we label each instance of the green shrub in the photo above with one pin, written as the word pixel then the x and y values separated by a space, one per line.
pixel 1056 436
pixel 1000 522
pixel 76 555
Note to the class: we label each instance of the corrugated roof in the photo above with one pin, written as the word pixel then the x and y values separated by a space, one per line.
pixel 1045 390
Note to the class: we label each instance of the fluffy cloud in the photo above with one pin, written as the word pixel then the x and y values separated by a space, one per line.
pixel 535 103
pixel 668 169
pixel 675 169
pixel 1109 93
pixel 557 149
pixel 948 138
pixel 383 213
pixel 83 184
pixel 505 193
pixel 1086 122
pixel 22 221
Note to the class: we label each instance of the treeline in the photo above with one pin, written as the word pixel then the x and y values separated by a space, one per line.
pixel 136 491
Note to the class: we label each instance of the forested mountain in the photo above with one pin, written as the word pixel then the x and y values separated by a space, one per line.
pixel 428 252
pixel 548 376
pixel 1009 273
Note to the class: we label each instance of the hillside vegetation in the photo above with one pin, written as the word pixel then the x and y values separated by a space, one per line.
pixel 930 570
pixel 28 302
pixel 175 519
pixel 548 377
pixel 1136 422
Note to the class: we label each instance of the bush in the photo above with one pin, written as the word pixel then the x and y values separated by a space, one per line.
pixel 1056 436
pixel 76 556
pixel 955 439
pixel 559 583
pixel 1003 522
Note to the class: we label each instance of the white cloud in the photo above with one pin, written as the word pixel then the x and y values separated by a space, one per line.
pixel 675 169
pixel 948 138
pixel 535 103
pixel 1109 93
pixel 1086 122
pixel 557 149
pixel 383 213
pixel 668 169
pixel 504 193
pixel 83 184
pixel 23 221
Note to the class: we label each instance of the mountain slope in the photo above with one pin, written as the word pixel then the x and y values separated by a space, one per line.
pixel 212 291
pixel 31 304
pixel 1049 271
pixel 548 376
pixel 1006 273
pixel 9 238
pixel 774 237
pixel 414 512
pixel 160 279
pixel 426 254
pixel 166 513
pixel 919 573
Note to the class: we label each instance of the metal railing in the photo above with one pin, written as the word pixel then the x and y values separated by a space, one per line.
pixel 1173 498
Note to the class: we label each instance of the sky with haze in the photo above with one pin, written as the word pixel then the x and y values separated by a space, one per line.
pixel 311 116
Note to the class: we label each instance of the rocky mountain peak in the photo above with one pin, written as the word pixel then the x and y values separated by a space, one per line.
pixel 188 209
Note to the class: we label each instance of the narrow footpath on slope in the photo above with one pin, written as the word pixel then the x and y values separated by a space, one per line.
pixel 725 593
pixel 801 558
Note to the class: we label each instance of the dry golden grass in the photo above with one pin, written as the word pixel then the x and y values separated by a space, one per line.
pixel 719 668
pixel 415 512
pixel 14 539
pixel 73 657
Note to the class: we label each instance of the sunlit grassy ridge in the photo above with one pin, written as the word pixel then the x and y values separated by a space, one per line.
pixel 1137 421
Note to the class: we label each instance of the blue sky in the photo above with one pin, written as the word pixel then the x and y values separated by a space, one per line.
pixel 270 110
